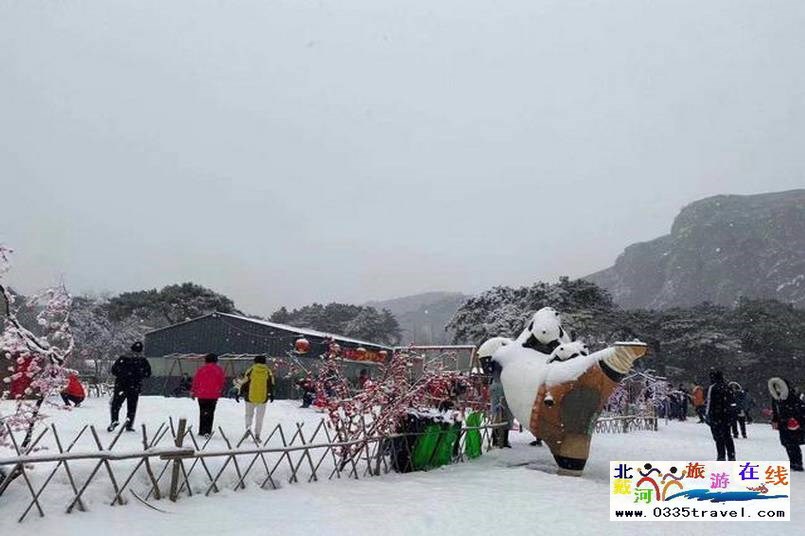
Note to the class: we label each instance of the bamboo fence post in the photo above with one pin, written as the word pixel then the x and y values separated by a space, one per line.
pixel 177 463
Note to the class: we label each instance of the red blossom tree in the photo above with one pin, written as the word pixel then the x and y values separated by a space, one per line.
pixel 379 408
pixel 35 360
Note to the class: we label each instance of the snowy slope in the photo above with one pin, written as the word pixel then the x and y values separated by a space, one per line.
pixel 487 496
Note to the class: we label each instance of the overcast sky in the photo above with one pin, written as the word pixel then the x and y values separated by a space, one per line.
pixel 284 152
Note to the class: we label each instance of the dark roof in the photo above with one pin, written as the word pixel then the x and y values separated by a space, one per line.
pixel 285 327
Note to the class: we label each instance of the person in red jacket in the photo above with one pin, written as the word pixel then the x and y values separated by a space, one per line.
pixel 74 392
pixel 208 383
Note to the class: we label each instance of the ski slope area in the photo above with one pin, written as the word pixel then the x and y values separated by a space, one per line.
pixel 487 496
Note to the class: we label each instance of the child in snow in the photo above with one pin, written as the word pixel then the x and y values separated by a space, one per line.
pixel 207 386
pixel 788 415
pixel 257 388
pixel 73 392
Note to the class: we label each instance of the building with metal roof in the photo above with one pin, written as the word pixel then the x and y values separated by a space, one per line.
pixel 223 333
pixel 241 338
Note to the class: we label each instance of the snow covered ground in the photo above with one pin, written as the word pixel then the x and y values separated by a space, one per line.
pixel 489 495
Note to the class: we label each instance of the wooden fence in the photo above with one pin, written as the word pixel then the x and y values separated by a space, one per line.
pixel 173 460
pixel 622 424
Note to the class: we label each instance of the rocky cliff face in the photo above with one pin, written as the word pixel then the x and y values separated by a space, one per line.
pixel 720 248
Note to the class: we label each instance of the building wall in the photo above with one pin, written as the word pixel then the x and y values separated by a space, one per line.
pixel 167 374
pixel 223 335
pixel 227 335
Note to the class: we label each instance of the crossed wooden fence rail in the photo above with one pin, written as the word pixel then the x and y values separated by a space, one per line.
pixel 172 454
pixel 622 424
pixel 176 450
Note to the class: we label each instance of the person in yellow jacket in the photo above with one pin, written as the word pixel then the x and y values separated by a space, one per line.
pixel 257 388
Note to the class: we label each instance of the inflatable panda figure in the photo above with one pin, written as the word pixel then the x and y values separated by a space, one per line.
pixel 544 332
pixel 563 352
pixel 487 350
pixel 569 350
pixel 557 388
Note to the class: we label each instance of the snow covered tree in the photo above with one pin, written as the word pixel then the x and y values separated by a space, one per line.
pixel 99 339
pixel 170 305
pixel 504 311
pixel 748 342
pixel 358 321
pixel 37 362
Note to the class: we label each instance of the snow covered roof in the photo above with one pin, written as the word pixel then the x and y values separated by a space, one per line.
pixel 284 327
pixel 436 347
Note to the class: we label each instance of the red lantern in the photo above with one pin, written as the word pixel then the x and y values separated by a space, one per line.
pixel 302 346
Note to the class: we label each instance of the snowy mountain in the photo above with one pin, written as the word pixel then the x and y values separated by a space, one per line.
pixel 719 249
pixel 423 317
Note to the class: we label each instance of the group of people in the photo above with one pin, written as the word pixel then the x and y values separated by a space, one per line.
pixel 724 407
pixel 255 386
pixel 741 413
pixel 727 407
pixel 318 396
pixel 677 403
pixel 679 400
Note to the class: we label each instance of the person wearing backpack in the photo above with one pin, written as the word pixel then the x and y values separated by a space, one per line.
pixel 257 388
pixel 206 388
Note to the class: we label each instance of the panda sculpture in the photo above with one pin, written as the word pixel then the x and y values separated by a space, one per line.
pixel 557 388
pixel 487 350
pixel 569 350
pixel 544 332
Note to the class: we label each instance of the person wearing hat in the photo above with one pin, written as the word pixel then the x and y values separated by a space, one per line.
pixel 788 418
pixel 129 371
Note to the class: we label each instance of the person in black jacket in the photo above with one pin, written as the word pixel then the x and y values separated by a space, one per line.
pixel 742 400
pixel 129 371
pixel 788 418
pixel 720 414
pixel 684 396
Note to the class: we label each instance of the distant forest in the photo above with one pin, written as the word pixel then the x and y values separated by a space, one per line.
pixel 750 342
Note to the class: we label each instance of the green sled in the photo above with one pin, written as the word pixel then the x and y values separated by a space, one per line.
pixel 472 444
pixel 425 447
pixel 447 441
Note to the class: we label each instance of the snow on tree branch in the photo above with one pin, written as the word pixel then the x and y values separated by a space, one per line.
pixel 381 404
pixel 35 357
